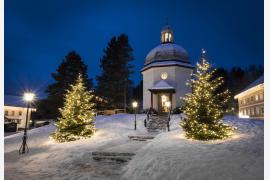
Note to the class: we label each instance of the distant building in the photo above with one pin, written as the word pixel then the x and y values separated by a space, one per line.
pixel 251 100
pixel 15 111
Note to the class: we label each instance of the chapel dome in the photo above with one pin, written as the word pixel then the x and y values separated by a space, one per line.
pixel 167 50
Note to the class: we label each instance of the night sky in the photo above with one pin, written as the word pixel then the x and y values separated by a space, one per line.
pixel 39 34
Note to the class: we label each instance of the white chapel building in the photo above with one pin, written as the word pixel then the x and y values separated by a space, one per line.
pixel 165 73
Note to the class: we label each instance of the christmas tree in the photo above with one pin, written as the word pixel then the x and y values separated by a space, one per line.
pixel 204 107
pixel 77 115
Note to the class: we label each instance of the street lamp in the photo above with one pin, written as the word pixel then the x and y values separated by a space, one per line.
pixel 135 105
pixel 28 97
pixel 168 105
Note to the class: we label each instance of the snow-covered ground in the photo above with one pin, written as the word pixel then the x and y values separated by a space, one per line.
pixel 169 156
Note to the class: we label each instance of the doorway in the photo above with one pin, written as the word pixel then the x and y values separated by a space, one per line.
pixel 163 99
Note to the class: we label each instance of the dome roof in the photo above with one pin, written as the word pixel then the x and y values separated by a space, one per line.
pixel 167 51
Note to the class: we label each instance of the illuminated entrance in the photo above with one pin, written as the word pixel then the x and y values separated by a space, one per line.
pixel 164 99
pixel 161 96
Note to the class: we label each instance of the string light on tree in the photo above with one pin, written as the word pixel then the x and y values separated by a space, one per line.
pixel 77 115
pixel 204 107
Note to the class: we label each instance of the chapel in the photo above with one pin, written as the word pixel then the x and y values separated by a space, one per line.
pixel 165 73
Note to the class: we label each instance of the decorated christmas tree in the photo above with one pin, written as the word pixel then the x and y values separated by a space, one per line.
pixel 205 106
pixel 77 115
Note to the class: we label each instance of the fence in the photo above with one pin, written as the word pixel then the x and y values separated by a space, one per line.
pixel 110 112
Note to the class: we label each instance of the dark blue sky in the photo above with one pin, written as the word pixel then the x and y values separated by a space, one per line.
pixel 38 34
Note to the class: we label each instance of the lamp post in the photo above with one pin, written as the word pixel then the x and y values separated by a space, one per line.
pixel 135 105
pixel 168 105
pixel 28 98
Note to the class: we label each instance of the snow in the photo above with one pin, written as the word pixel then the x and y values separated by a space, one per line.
pixel 168 156
pixel 162 85
pixel 167 51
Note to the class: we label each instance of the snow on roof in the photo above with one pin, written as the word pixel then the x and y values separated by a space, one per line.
pixel 258 81
pixel 167 63
pixel 168 51
pixel 161 85
pixel 254 84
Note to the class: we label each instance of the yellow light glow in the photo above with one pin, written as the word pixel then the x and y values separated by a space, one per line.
pixel 28 97
pixel 163 98
pixel 164 76
pixel 168 104
pixel 242 115
pixel 134 104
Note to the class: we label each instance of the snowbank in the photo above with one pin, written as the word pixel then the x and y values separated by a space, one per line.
pixel 169 156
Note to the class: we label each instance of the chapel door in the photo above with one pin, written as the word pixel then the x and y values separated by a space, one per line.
pixel 163 98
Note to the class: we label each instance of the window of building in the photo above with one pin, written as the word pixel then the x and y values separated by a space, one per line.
pixel 261 96
pixel 12 113
pixel 19 121
pixel 257 97
pixel 244 101
pixel 6 113
pixel 20 113
pixel 252 111
pixel 257 110
pixel 252 98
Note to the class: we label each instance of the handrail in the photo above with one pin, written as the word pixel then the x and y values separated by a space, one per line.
pixel 168 121
pixel 146 120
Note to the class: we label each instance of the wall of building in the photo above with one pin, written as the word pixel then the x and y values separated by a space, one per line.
pixel 17 114
pixel 177 77
pixel 252 104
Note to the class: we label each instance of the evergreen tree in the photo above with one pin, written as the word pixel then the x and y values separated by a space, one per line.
pixel 66 74
pixel 114 82
pixel 77 115
pixel 204 107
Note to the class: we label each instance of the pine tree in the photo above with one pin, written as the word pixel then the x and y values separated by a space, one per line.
pixel 66 74
pixel 77 115
pixel 114 82
pixel 204 107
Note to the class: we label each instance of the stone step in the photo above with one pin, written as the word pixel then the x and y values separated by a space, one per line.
pixel 138 139
pixel 117 159
pixel 112 156
pixel 102 153
pixel 141 137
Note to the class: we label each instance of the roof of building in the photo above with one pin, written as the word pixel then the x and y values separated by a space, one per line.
pixel 165 52
pixel 258 81
pixel 12 100
pixel 255 83
pixel 161 85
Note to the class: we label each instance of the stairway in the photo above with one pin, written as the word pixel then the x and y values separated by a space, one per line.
pixel 157 123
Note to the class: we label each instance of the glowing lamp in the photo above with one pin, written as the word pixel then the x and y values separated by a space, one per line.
pixel 134 104
pixel 28 97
